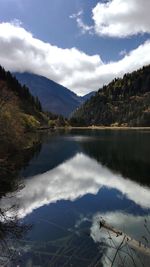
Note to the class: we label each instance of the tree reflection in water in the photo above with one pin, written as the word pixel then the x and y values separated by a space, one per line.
pixel 11 228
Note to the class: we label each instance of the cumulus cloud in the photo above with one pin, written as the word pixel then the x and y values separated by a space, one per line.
pixel 21 51
pixel 122 18
pixel 118 18
pixel 65 183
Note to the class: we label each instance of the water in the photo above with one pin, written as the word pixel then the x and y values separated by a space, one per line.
pixel 73 180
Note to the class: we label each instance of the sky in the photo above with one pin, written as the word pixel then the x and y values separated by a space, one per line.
pixel 81 44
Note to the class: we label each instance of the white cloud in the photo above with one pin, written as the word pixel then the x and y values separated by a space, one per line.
pixel 66 183
pixel 80 72
pixel 117 18
pixel 20 51
pixel 76 15
pixel 122 18
pixel 84 27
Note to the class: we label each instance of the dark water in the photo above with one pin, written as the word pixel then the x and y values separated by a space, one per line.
pixel 73 181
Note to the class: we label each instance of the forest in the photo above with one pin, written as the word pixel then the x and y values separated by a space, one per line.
pixel 123 102
pixel 20 113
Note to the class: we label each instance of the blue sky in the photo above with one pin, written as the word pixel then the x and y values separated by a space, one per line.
pixel 49 20
pixel 75 23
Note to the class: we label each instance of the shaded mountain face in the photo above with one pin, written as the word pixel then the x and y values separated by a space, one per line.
pixel 87 96
pixel 54 97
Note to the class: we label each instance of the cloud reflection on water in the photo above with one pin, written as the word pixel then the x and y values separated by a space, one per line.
pixel 71 180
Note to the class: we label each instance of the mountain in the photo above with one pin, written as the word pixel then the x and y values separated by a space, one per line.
pixel 53 96
pixel 20 111
pixel 123 102
pixel 87 96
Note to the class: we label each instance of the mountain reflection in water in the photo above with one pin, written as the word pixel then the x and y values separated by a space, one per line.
pixel 75 179
pixel 71 180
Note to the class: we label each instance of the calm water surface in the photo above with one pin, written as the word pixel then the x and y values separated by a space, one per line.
pixel 72 181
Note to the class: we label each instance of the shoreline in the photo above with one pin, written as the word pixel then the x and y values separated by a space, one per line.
pixel 109 128
pixel 93 128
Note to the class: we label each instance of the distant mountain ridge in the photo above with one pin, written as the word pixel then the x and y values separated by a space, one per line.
pixel 53 96
pixel 123 102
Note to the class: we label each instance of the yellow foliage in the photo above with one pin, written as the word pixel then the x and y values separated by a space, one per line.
pixel 52 123
pixel 30 122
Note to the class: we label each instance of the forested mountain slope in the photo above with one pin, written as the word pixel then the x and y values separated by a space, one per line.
pixel 123 102
pixel 19 110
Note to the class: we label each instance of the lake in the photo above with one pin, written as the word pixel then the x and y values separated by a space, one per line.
pixel 72 181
